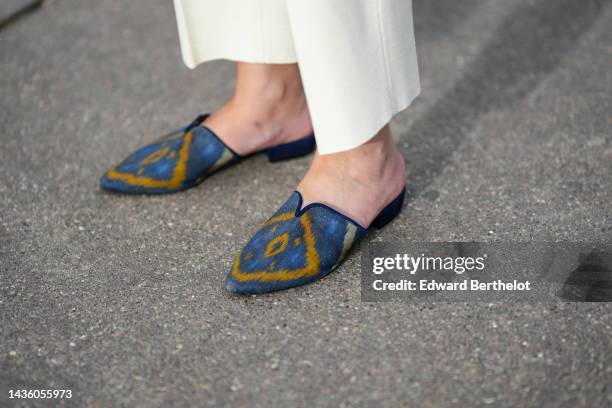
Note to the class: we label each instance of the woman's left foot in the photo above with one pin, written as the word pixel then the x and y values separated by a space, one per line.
pixel 359 182
pixel 339 198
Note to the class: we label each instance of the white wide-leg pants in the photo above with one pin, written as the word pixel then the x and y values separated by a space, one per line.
pixel 357 58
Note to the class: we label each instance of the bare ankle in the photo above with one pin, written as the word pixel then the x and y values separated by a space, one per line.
pixel 372 160
pixel 358 182
pixel 266 88
pixel 270 96
pixel 268 108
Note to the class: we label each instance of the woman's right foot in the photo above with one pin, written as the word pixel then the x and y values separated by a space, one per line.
pixel 267 112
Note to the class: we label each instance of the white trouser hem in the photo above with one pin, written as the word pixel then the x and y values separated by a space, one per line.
pixel 357 58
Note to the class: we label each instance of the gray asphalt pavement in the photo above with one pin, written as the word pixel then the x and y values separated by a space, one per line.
pixel 121 299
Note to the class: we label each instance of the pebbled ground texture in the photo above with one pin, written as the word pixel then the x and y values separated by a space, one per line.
pixel 121 299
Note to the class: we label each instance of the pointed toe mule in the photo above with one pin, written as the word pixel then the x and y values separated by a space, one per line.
pixel 183 159
pixel 299 245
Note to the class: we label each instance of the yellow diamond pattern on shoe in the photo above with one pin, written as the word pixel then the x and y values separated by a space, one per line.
pixel 277 245
pixel 178 175
pixel 155 156
pixel 312 258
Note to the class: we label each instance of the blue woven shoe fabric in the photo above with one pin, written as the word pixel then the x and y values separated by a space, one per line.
pixel 293 248
pixel 178 161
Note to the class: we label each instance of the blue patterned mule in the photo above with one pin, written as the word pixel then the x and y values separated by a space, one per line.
pixel 299 245
pixel 183 158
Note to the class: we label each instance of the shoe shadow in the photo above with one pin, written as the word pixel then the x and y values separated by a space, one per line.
pixel 591 281
pixel 525 48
